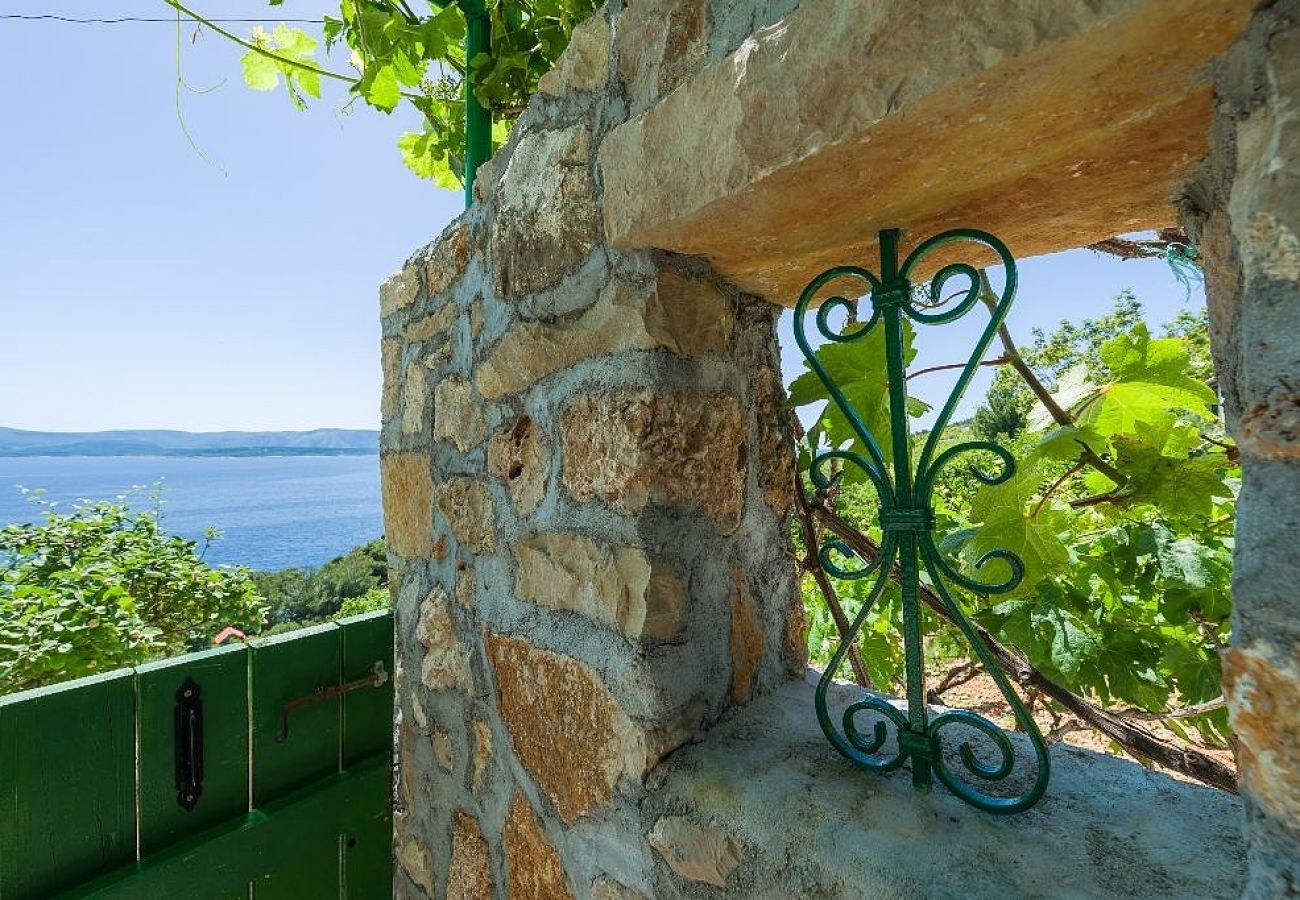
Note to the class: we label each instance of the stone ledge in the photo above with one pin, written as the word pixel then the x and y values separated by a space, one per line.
pixel 1053 126
pixel 809 824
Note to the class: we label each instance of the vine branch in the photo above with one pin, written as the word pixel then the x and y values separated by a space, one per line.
pixel 1135 739
pixel 1054 409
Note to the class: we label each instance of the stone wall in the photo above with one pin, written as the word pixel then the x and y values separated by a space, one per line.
pixel 586 474
pixel 586 481
pixel 1244 210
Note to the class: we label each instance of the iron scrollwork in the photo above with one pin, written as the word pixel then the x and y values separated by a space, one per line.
pixel 904 486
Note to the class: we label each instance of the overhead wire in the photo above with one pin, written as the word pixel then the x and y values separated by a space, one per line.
pixel 129 20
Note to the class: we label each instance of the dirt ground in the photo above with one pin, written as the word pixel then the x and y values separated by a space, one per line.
pixel 981 695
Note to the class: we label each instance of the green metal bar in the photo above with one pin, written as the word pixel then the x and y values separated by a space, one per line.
pixel 907 522
pixel 478 118
pixel 223 860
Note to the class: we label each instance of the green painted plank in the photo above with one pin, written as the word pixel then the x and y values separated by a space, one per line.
pixel 67 784
pixel 221 675
pixel 220 862
pixel 368 712
pixel 312 874
pixel 368 732
pixel 284 668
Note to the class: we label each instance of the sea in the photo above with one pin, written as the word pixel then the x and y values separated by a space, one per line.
pixel 273 512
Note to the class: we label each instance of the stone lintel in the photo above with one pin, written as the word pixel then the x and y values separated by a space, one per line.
pixel 1051 124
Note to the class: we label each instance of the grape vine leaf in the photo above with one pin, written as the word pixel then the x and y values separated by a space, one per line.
pixel 287 50
pixel 858 369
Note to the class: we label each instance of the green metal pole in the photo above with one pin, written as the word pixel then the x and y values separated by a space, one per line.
pixel 478 118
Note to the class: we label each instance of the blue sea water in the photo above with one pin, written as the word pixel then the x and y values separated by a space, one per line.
pixel 273 512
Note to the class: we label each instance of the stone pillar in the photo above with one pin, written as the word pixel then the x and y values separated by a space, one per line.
pixel 1244 212
pixel 586 480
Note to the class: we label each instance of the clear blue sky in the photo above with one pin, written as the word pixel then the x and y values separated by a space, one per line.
pixel 142 287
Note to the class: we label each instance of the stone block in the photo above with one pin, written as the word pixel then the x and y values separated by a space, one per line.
pixel 605 583
pixel 415 398
pixel 584 65
pixel 530 351
pixel 447 258
pixel 633 447
pixel 659 43
pixel 407 487
pixel 446 657
pixel 399 291
pixel 544 227
pixel 695 852
pixel 469 877
pixel 520 456
pixel 416 862
pixel 458 414
pixel 432 325
pixel 467 507
pixel 666 602
pixel 567 731
pixel 1262 685
pixel 535 869
pixel 390 363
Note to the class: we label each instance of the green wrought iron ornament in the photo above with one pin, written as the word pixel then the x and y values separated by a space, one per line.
pixel 904 484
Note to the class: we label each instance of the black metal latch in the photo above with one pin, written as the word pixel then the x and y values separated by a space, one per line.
pixel 378 675
pixel 188 744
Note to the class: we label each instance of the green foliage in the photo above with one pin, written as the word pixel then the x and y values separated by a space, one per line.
pixel 1125 596
pixel 1005 412
pixel 372 600
pixel 397 54
pixel 354 582
pixel 102 587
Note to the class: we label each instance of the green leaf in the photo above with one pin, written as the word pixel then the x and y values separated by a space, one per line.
pixel 261 73
pixel 858 369
pixel 381 88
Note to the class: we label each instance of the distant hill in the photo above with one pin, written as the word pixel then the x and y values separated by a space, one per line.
pixel 319 442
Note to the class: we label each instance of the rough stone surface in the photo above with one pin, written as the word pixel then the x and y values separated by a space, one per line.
pixel 608 889
pixel 545 226
pixel 465 587
pixel 482 754
pixel 689 314
pixel 399 291
pixel 1263 686
pixel 813 825
pixel 1243 210
pixel 630 448
pixel 458 414
pixel 532 350
pixel 446 658
pixel 408 507
pixel 432 325
pixel 390 362
pixel 696 853
pixel 659 43
pixel 415 399
pixel 521 457
pixel 536 871
pixel 442 750
pixel 469 877
pixel 746 639
pixel 585 63
pixel 608 584
pixel 467 507
pixel 566 729
pixel 448 258
pixel 416 862
pixel 772 192
pixel 666 603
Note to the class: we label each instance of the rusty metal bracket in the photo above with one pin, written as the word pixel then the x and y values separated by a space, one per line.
pixel 378 676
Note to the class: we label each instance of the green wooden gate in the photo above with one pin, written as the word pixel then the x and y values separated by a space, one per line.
pixel 96 774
